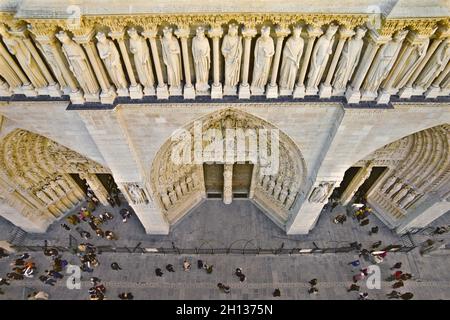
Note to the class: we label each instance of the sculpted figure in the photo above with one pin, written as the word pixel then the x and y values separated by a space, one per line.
pixel 283 194
pixel 202 59
pixel 171 57
pixel 29 65
pixel 8 73
pixel 111 58
pixel 264 51
pixel 384 62
pixel 141 55
pixel 319 193
pixel 349 60
pixel 42 196
pixel 78 64
pixel 47 51
pixel 165 200
pixel 389 182
pixel 407 199
pixel 290 200
pixel 232 52
pixel 292 53
pixel 411 63
pixel 435 65
pixel 319 57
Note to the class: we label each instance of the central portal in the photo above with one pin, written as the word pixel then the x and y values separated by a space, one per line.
pixel 242 179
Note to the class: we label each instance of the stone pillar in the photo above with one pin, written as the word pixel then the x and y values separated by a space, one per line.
pixel 272 88
pixel 27 88
pixel 435 89
pixel 135 88
pixel 374 41
pixel 97 187
pixel 138 197
pixel 76 95
pixel 161 90
pixel 108 95
pixel 445 87
pixel 244 88
pixel 407 91
pixel 412 42
pixel 326 88
pixel 359 178
pixel 228 183
pixel 183 34
pixel 216 89
pixel 313 32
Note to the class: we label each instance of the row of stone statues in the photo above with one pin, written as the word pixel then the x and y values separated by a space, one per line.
pixel 400 193
pixel 283 192
pixel 302 65
pixel 182 187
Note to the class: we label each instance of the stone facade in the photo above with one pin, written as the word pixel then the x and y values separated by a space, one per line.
pixel 122 85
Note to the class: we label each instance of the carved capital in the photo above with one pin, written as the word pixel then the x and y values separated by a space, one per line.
pixel 215 32
pixel 117 34
pixel 345 33
pixel 282 32
pixel 313 31
pixel 249 32
pixel 183 32
pixel 150 32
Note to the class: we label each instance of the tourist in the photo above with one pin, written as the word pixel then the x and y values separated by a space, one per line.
pixel 170 268
pixel 158 272
pixel 47 280
pixel 186 266
pixel 313 282
pixel 358 277
pixel 29 272
pixel 208 268
pixel 4 282
pixel 126 296
pixel 41 295
pixel 200 264
pixel 126 214
pixel 95 281
pixel 364 222
pixel 407 296
pixel 393 295
pixel 110 235
pixel 14 276
pixel 355 263
pixel 340 219
pixel 65 226
pixel 374 230
pixel 353 287
pixel 238 272
pixel 242 277
pixel 100 233
pixel 115 266
pixel 313 290
pixel 376 244
pixel 363 296
pixel 406 276
pixel 276 293
pixel 398 284
pixel 223 288
pixel 54 274
pixel 398 265
pixel 3 253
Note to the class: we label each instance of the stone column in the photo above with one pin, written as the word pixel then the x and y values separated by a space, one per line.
pixel 27 88
pixel 244 88
pixel 412 41
pixel 374 41
pixel 313 32
pixel 445 87
pixel 161 90
pixel 97 187
pixel 135 88
pixel 53 89
pixel 227 183
pixel 435 89
pixel 76 95
pixel 107 95
pixel 407 91
pixel 359 178
pixel 183 34
pixel 216 89
pixel 326 88
pixel 272 88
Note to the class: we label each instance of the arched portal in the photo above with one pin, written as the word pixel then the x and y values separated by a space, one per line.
pixel 229 138
pixel 36 178
pixel 416 178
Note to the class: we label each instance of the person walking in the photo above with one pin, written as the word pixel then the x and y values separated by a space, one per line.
pixel 158 272
pixel 170 268
pixel 398 284
pixel 186 265
pixel 353 287
pixel 405 276
pixel 65 226
pixel 126 296
pixel 223 288
pixel 313 290
pixel 4 282
pixel 115 266
pixel 200 264
pixel 376 244
pixel 373 230
pixel 393 295
pixel 363 296
pixel 47 280
pixel 398 265
pixel 313 282
pixel 407 296
pixel 95 281
pixel 276 293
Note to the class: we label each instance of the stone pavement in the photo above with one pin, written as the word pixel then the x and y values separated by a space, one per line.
pixel 239 225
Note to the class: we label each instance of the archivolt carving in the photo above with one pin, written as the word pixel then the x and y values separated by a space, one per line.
pixel 174 183
pixel 422 168
pixel 36 170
